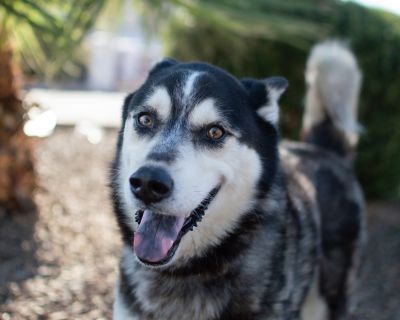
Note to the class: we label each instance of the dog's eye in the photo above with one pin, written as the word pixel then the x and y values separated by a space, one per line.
pixel 215 132
pixel 145 120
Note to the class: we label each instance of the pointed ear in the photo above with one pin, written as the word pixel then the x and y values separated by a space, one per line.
pixel 265 95
pixel 162 64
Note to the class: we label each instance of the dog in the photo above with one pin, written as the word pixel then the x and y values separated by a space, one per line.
pixel 221 221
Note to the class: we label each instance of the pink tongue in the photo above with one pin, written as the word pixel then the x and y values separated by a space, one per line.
pixel 156 235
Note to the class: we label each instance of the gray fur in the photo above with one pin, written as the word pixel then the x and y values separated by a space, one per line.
pixel 296 248
pixel 333 87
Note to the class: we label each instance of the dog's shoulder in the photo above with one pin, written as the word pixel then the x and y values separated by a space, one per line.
pixel 322 173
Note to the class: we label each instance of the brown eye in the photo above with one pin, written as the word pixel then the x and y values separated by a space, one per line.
pixel 215 133
pixel 145 120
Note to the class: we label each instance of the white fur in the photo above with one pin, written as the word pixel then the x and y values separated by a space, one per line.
pixel 160 100
pixel 189 85
pixel 120 310
pixel 270 112
pixel 204 113
pixel 133 154
pixel 196 172
pixel 237 168
pixel 334 82
pixel 314 307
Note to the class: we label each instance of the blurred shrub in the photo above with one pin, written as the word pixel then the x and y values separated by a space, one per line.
pixel 260 38
pixel 375 37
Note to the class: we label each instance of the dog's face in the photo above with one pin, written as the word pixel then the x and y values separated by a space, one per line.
pixel 197 148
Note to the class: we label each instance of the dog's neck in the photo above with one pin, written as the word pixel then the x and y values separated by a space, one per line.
pixel 156 294
pixel 196 285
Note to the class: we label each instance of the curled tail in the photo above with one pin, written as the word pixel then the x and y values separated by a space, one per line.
pixel 333 79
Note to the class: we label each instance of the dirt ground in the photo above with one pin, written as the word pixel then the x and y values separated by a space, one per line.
pixel 61 262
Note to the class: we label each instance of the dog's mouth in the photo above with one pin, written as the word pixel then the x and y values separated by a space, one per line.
pixel 158 235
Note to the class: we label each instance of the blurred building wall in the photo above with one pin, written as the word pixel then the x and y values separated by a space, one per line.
pixel 120 60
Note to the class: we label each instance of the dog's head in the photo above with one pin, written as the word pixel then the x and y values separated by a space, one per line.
pixel 197 148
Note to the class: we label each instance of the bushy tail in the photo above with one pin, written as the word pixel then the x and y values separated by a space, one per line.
pixel 333 79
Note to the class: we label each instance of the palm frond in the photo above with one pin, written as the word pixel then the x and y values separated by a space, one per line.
pixel 48 32
pixel 286 21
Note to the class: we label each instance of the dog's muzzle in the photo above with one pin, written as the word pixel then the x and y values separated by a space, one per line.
pixel 158 235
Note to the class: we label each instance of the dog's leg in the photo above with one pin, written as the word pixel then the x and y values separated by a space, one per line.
pixel 120 309
pixel 315 306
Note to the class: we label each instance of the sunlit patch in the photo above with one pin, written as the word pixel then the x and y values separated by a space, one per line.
pixel 41 123
pixel 93 133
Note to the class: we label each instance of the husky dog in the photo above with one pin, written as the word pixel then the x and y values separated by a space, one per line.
pixel 218 220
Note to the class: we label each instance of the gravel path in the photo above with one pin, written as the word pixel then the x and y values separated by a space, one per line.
pixel 61 263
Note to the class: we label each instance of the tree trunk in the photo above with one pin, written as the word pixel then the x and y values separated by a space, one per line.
pixel 17 177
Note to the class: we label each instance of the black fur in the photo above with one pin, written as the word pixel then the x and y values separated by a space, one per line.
pixel 256 133
pixel 306 221
pixel 326 136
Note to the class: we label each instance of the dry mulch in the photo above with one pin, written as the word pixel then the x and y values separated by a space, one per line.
pixel 61 262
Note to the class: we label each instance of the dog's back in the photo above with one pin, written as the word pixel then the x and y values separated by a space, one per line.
pixel 320 170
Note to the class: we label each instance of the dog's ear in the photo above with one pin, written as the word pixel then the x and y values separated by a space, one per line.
pixel 264 95
pixel 162 64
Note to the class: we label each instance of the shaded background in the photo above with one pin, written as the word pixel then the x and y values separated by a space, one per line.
pixel 65 67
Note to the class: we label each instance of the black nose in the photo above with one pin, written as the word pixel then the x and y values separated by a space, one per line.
pixel 151 184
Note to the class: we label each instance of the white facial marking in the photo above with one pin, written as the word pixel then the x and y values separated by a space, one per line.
pixel 237 168
pixel 196 171
pixel 189 85
pixel 204 113
pixel 160 100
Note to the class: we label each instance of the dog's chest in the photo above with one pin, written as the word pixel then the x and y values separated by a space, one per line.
pixel 172 298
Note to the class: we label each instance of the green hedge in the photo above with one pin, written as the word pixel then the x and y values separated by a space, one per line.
pixel 220 37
